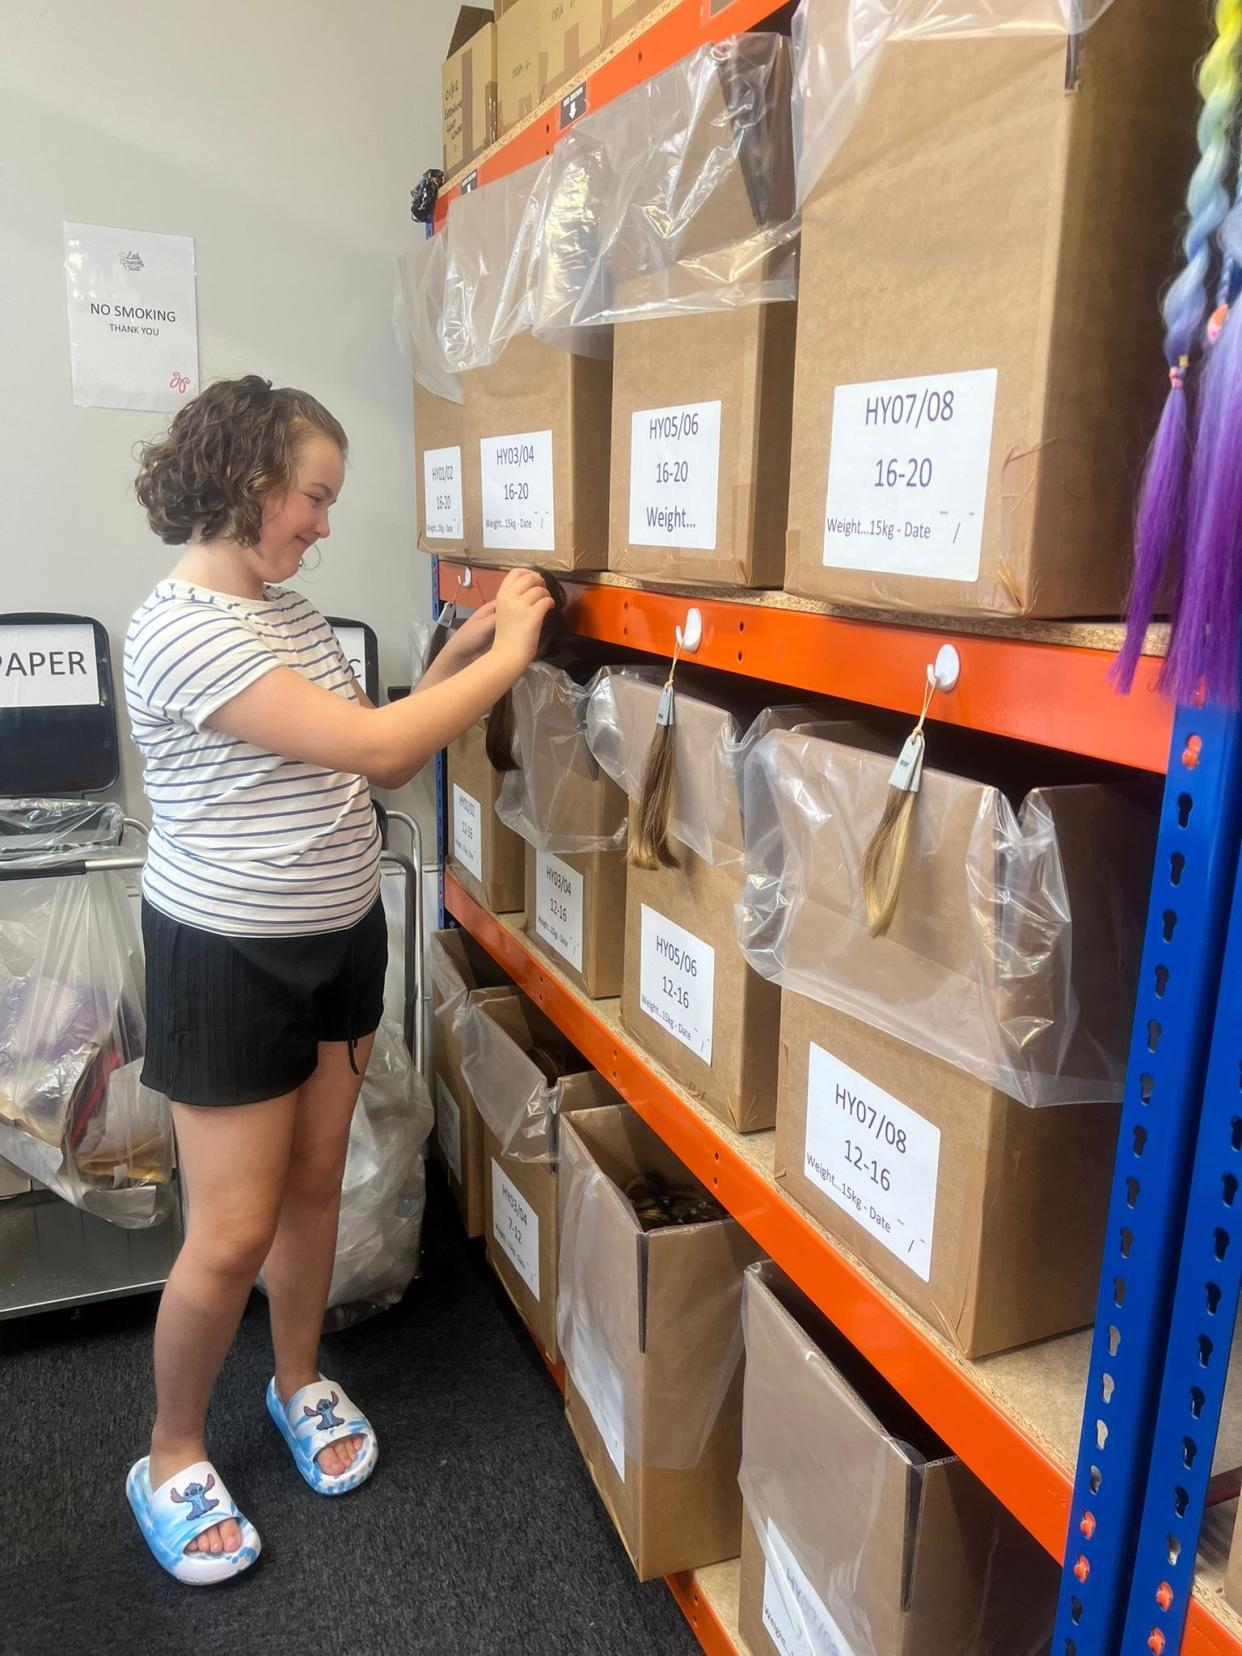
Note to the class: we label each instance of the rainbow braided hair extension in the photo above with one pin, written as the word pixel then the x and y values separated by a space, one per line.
pixel 1160 523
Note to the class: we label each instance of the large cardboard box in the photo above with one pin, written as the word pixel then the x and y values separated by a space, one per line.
pixel 574 908
pixel 520 1220
pixel 468 89
pixel 483 854
pixel 438 472
pixel 519 43
pixel 701 411
pixel 573 35
pixel 653 1352
pixel 537 426
pixel 941 1184
pixel 620 16
pixel 860 1526
pixel 978 449
pixel 461 972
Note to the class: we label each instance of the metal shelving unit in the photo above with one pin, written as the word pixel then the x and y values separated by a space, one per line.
pixel 1117 1491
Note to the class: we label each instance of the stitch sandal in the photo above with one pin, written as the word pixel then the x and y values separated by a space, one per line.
pixel 179 1511
pixel 315 1416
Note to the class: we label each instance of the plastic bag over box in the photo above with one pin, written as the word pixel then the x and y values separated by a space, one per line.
pixel 838 45
pixel 72 1027
pixel 558 799
pixel 659 1391
pixel 518 1101
pixel 42 832
pixel 864 1533
pixel 710 744
pixel 1017 935
pixel 676 197
pixel 418 305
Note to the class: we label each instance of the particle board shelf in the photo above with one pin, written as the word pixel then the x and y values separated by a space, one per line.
pixel 1035 681
pixel 1013 1418
pixel 671 31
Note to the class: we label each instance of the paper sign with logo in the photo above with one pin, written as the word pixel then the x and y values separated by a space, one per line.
pixel 44 665
pixel 133 323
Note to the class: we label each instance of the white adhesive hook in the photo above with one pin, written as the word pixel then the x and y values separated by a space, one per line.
pixel 945 671
pixel 691 636
pixel 467 578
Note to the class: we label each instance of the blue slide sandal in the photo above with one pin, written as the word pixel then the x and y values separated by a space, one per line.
pixel 315 1416
pixel 173 1515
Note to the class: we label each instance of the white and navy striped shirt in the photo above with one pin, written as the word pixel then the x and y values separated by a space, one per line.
pixel 243 841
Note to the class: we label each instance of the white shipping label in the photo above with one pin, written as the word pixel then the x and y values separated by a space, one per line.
pixel 558 908
pixel 516 1228
pixel 677 981
pixel 442 511
pixel 674 470
pixel 48 666
pixel 908 475
pixel 468 831
pixel 518 507
pixel 874 1157
pixel 448 1127
pixel 599 1386
pixel 795 1618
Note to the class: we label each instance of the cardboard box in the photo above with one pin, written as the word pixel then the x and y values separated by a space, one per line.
pixel 875 1537
pixel 721 1045
pixel 573 36
pixel 653 1379
pixel 573 905
pixel 461 972
pixel 468 89
pixel 520 1181
pixel 620 16
pixel 519 43
pixel 1013 233
pixel 701 411
pixel 537 426
pixel 942 1185
pixel 483 854
pixel 438 472
pixel 12 1183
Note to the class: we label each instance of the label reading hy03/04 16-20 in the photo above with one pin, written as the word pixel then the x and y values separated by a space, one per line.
pixel 517 492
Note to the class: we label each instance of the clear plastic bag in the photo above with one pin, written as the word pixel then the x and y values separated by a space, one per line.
pixel 1014 950
pixel 41 832
pixel 514 1096
pixel 838 45
pixel 676 197
pixel 72 1026
pixel 418 304
pixel 558 799
pixel 383 1195
pixel 657 1391
pixel 710 744
pixel 872 1538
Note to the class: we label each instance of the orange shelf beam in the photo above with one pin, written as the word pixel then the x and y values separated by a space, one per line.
pixel 1054 694
pixel 1205 1636
pixel 1018 1470
pixel 665 41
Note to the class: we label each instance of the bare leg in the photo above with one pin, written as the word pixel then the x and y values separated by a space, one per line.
pixel 234 1160
pixel 298 1270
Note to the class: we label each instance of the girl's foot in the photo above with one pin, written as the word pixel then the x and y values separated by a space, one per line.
pixel 165 1463
pixel 332 1442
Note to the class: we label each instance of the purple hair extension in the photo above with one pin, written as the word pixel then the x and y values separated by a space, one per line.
pixel 1160 524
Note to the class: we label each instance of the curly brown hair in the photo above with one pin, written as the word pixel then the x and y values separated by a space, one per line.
pixel 224 453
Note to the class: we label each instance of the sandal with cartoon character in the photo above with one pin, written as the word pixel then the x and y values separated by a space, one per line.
pixel 315 1416
pixel 179 1511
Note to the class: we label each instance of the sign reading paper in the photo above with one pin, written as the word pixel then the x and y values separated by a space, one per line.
pixel 133 323
pixel 48 665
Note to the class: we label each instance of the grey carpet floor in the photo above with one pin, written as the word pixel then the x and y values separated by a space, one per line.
pixel 480 1531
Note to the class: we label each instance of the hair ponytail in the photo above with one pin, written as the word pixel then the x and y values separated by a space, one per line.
pixel 500 721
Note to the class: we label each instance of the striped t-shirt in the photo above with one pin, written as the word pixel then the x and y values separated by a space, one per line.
pixel 243 841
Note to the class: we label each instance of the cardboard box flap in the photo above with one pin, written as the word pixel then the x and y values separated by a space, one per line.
pixel 976 967
pixel 470 19
pixel 459 964
pixel 516 1095
pixel 558 799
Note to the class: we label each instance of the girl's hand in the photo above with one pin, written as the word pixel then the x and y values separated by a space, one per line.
pixel 521 605
pixel 474 637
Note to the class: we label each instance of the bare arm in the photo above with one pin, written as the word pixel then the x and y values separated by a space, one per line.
pixel 465 645
pixel 285 713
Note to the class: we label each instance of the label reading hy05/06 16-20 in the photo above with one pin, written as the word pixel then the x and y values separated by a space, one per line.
pixel 674 471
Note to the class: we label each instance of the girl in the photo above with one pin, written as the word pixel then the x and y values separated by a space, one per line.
pixel 265 936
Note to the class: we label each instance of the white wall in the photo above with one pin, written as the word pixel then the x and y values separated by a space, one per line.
pixel 284 136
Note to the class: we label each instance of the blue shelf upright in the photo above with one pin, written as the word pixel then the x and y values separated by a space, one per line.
pixel 1193 879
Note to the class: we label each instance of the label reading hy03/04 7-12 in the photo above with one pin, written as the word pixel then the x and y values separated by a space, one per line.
pixel 517 492
pixel 442 511
pixel 516 1228
pixel 874 1157
pixel 674 470
pixel 908 475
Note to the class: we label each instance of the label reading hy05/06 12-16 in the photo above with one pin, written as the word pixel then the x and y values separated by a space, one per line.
pixel 677 981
